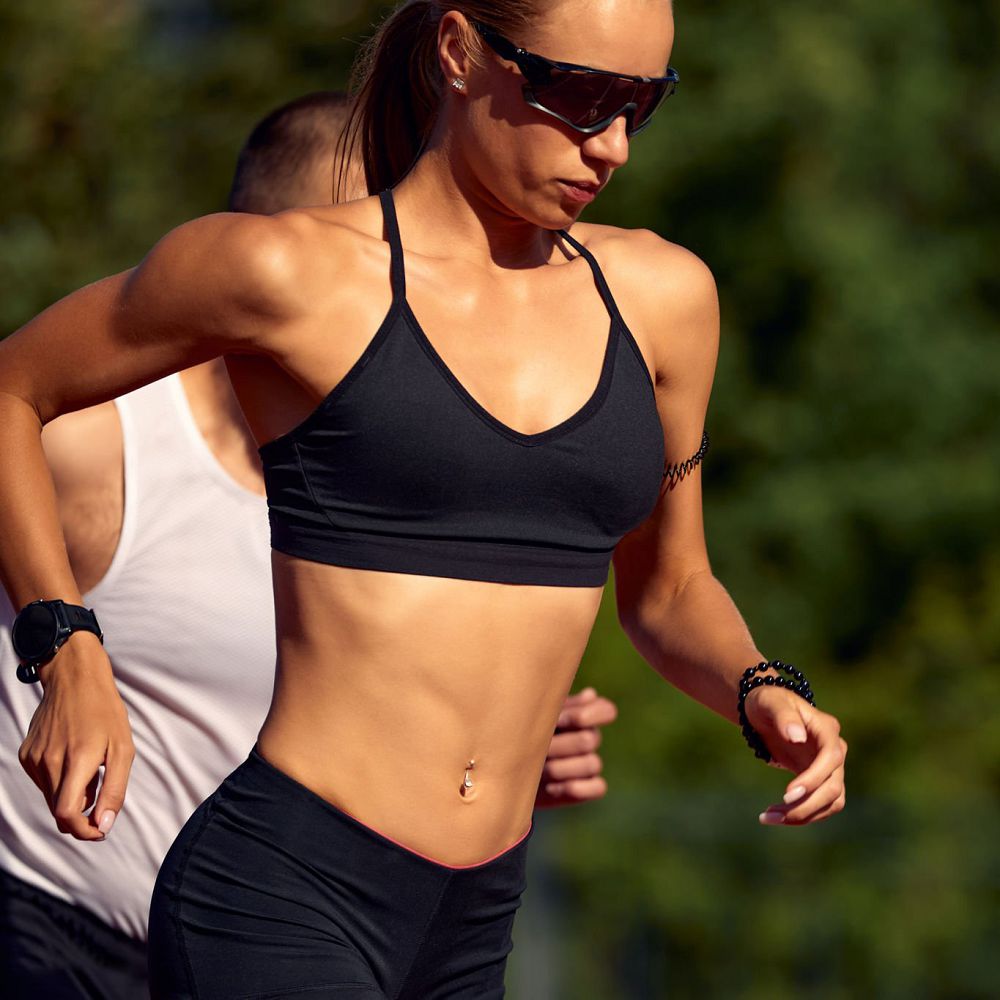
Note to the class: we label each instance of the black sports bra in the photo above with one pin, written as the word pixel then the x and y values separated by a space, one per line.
pixel 400 469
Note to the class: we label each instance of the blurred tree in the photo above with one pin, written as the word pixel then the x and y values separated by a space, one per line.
pixel 834 166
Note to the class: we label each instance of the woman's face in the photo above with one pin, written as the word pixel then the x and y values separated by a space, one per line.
pixel 527 160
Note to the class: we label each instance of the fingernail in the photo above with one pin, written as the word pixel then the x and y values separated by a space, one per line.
pixel 562 721
pixel 794 793
pixel 553 788
pixel 106 822
pixel 772 817
pixel 588 691
pixel 796 733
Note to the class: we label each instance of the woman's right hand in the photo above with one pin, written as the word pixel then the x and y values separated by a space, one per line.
pixel 80 724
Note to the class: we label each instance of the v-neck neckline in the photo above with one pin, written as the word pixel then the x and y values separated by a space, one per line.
pixel 589 407
pixel 583 413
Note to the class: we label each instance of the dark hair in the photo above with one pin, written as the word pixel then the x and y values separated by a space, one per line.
pixel 282 147
pixel 397 84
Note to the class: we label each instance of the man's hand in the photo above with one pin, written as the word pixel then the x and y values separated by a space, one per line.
pixel 79 725
pixel 804 740
pixel 572 772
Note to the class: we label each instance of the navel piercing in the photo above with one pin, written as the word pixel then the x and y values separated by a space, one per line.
pixel 458 83
pixel 467 783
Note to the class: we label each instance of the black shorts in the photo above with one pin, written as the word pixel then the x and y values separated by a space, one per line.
pixel 271 891
pixel 53 950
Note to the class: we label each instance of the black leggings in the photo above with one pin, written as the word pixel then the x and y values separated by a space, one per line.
pixel 54 950
pixel 271 891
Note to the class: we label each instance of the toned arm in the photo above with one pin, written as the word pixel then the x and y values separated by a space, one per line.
pixel 216 285
pixel 669 603
pixel 209 287
pixel 674 610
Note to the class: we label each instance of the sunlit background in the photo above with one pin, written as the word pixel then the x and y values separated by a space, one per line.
pixel 836 164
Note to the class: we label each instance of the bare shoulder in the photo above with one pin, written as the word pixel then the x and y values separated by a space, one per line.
pixel 244 276
pixel 666 293
pixel 240 261
pixel 343 235
pixel 653 272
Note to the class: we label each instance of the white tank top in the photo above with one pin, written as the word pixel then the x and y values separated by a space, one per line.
pixel 188 616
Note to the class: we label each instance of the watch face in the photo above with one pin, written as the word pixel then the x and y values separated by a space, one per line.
pixel 34 632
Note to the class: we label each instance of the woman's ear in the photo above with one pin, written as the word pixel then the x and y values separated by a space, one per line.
pixel 457 45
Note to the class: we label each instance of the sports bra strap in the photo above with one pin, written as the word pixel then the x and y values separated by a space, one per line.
pixel 602 285
pixel 397 271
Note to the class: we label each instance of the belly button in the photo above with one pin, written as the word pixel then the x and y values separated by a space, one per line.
pixel 468 789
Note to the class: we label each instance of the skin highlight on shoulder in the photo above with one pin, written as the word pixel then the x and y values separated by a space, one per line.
pixel 320 251
pixel 667 295
pixel 240 272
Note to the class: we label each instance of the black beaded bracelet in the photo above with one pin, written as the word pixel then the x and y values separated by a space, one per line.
pixel 795 681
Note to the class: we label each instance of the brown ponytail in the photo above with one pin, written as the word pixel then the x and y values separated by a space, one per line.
pixel 397 84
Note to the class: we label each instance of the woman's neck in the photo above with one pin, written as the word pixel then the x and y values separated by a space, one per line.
pixel 462 219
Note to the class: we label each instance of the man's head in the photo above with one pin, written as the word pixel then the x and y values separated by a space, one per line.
pixel 289 159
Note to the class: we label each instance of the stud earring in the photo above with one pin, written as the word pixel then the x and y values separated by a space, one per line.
pixel 458 84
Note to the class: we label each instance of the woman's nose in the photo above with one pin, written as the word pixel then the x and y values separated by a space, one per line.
pixel 610 144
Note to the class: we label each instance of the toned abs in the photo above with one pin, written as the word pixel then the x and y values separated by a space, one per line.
pixel 390 684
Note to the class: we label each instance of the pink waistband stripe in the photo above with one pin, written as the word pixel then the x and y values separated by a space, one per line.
pixel 260 759
pixel 427 857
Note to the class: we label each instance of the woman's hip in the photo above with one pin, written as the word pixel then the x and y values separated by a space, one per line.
pixel 269 886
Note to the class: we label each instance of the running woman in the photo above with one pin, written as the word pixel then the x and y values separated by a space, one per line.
pixel 467 406
pixel 161 502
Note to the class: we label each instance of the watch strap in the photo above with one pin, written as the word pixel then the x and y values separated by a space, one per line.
pixel 78 619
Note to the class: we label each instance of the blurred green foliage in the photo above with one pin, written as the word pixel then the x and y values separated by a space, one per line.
pixel 837 166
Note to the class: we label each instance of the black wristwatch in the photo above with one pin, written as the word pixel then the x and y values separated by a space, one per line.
pixel 41 627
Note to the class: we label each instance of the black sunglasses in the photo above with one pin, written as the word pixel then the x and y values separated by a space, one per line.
pixel 584 98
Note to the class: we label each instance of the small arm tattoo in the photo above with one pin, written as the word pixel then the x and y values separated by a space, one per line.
pixel 675 472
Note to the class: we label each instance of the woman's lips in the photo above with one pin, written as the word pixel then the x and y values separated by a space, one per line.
pixel 579 191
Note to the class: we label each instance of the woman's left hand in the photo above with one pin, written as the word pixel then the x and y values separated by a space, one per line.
pixel 807 741
pixel 572 772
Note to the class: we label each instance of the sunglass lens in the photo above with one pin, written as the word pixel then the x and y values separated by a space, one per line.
pixel 648 97
pixel 587 99
pixel 582 99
